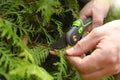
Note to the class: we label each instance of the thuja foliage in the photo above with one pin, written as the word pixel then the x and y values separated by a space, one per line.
pixel 27 28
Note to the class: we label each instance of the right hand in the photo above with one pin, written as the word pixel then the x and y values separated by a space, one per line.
pixel 97 9
pixel 105 59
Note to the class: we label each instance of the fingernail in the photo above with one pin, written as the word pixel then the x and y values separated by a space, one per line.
pixel 70 51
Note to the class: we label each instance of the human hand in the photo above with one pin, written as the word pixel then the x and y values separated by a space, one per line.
pixel 105 59
pixel 98 9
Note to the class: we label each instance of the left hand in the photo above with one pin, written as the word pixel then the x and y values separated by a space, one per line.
pixel 98 10
pixel 105 59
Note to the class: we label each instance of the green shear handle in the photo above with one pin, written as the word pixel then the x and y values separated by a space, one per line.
pixel 76 33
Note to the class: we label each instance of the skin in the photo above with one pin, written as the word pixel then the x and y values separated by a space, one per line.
pixel 105 59
pixel 98 9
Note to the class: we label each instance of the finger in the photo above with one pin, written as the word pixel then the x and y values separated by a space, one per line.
pixel 86 11
pixel 97 19
pixel 100 74
pixel 76 61
pixel 87 64
pixel 85 44
pixel 84 15
pixel 94 62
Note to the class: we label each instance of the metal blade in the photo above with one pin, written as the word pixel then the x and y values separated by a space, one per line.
pixel 61 43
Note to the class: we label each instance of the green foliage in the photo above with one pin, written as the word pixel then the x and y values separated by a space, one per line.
pixel 108 78
pixel 27 28
pixel 62 66
pixel 40 54
pixel 15 57
pixel 53 6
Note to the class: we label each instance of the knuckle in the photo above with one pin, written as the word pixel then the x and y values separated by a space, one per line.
pixel 96 32
pixel 78 45
pixel 81 46
pixel 98 22
pixel 111 60
pixel 110 54
pixel 112 57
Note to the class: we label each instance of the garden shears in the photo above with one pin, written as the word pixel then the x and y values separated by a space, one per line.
pixel 73 35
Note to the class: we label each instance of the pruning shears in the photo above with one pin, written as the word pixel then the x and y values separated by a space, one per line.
pixel 73 35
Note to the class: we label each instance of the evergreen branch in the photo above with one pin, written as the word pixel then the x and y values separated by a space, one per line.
pixel 46 14
pixel 30 72
pixel 40 54
pixel 48 37
pixel 59 26
pixel 62 66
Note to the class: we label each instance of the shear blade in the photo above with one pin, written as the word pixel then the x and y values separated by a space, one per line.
pixel 59 44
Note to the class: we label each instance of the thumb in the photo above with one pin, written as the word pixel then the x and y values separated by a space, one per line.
pixel 84 45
